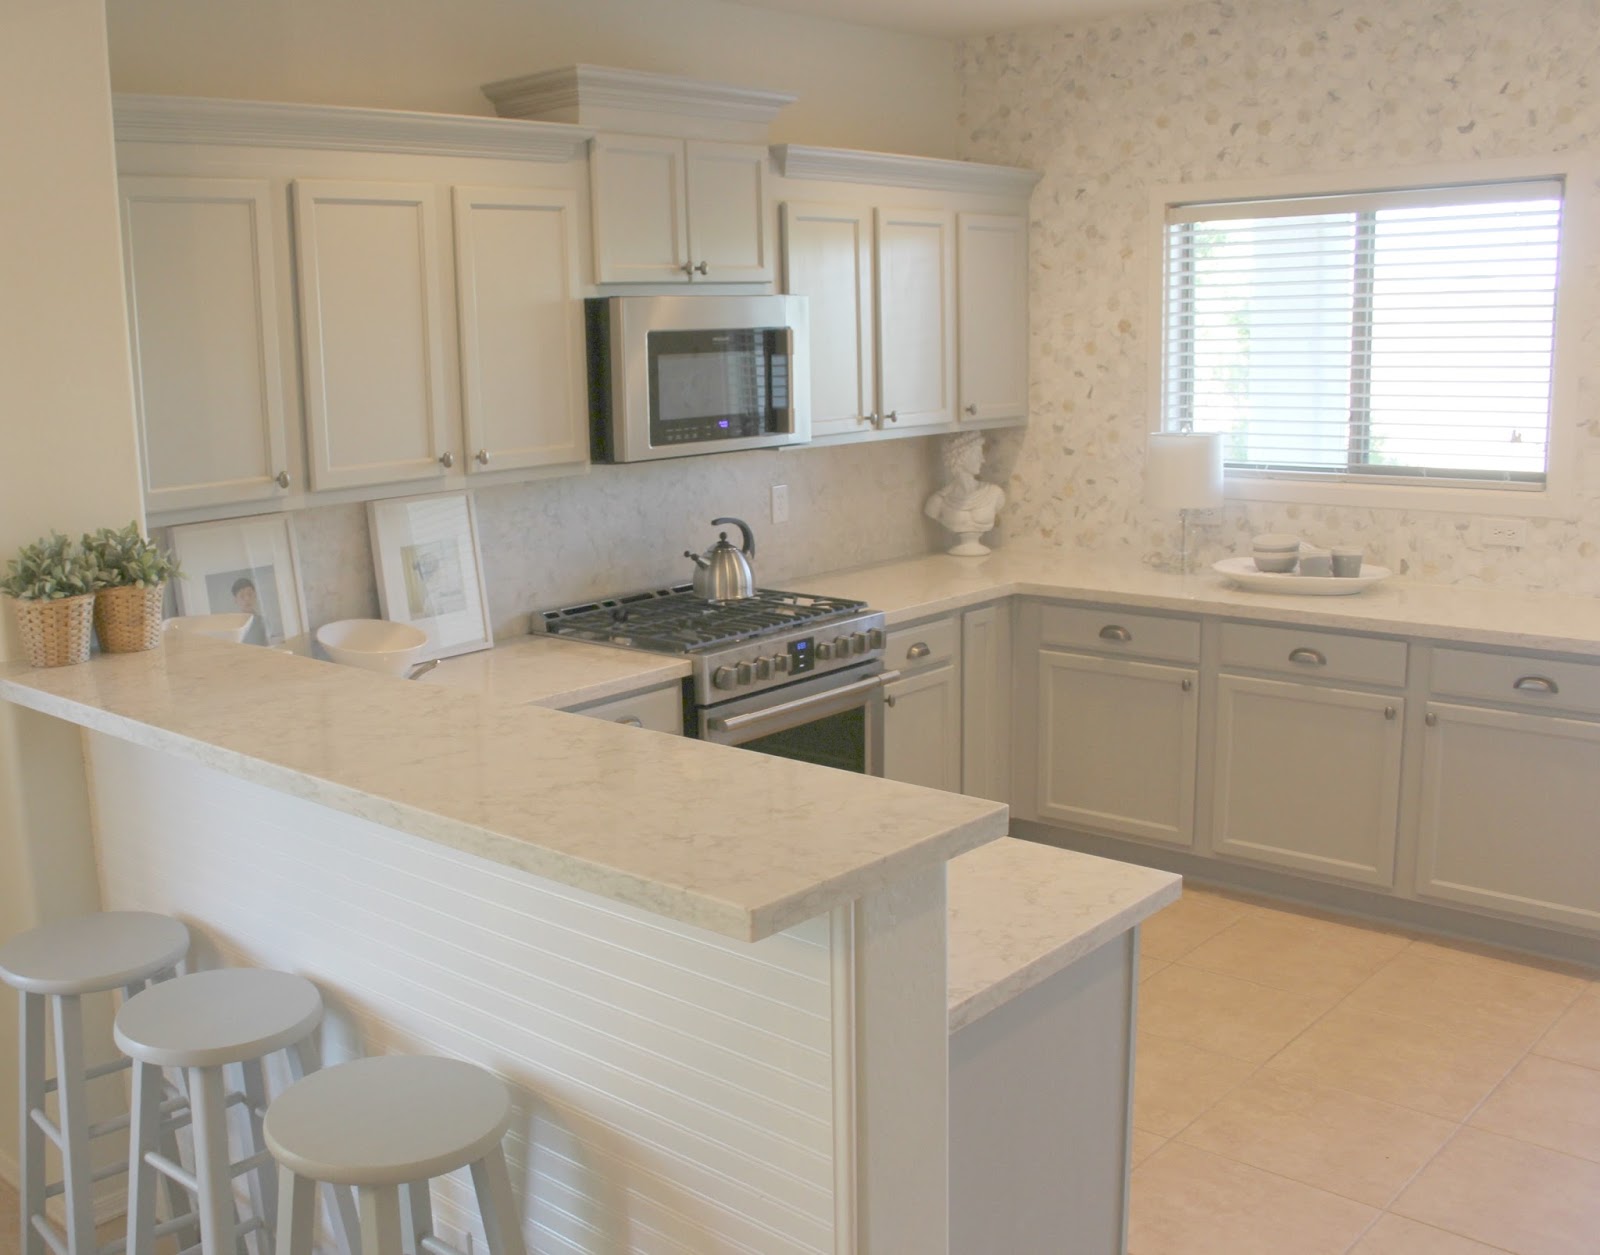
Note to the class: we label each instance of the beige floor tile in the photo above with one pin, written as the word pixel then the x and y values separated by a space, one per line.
pixel 1440 1071
pixel 1174 1081
pixel 10 1221
pixel 1549 1103
pixel 1575 1037
pixel 1187 1202
pixel 1395 1235
pixel 1344 1143
pixel 1197 916
pixel 1506 1000
pixel 1297 953
pixel 1507 1193
pixel 1223 1013
pixel 1144 1145
pixel 1149 967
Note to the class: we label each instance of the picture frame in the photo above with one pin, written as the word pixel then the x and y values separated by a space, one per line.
pixel 430 570
pixel 244 564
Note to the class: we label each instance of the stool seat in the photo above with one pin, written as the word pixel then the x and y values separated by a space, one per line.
pixel 389 1120
pixel 230 1015
pixel 108 950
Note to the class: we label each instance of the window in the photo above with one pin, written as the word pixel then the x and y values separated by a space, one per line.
pixel 1399 337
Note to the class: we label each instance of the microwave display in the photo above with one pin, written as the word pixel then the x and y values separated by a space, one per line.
pixel 707 386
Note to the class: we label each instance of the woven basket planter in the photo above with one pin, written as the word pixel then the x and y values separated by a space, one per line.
pixel 128 619
pixel 56 633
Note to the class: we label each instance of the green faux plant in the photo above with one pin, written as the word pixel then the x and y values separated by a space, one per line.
pixel 51 568
pixel 125 558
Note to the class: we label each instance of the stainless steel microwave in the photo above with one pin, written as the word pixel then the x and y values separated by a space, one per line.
pixel 671 376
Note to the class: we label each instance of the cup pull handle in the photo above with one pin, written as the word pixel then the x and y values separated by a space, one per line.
pixel 1537 684
pixel 1308 657
pixel 632 721
pixel 1115 632
pixel 919 650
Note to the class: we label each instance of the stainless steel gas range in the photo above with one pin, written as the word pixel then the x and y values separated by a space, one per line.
pixel 789 674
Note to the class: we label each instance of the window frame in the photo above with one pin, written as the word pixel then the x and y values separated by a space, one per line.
pixel 1558 497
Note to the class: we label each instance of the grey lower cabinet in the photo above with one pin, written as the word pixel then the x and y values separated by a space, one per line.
pixel 1307 777
pixel 922 709
pixel 1510 801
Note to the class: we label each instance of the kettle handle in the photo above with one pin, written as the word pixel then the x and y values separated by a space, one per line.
pixel 745 535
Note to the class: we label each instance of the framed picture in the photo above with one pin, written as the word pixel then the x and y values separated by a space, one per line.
pixel 430 573
pixel 248 565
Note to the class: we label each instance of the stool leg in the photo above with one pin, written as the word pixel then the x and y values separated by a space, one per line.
pixel 263 1181
pixel 30 1049
pixel 210 1128
pixel 72 1099
pixel 297 1213
pixel 164 1138
pixel 418 1214
pixel 380 1219
pixel 345 1217
pixel 143 1133
pixel 502 1225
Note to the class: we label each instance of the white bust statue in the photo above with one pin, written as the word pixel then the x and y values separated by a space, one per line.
pixel 965 505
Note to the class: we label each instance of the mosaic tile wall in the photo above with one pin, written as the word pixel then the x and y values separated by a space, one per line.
pixel 1111 109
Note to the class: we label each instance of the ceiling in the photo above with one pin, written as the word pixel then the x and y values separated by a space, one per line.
pixel 950 19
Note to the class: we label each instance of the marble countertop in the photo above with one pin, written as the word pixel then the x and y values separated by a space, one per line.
pixel 1020 912
pixel 937 584
pixel 618 812
pixel 555 672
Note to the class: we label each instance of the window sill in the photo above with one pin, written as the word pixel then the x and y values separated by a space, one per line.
pixel 1550 502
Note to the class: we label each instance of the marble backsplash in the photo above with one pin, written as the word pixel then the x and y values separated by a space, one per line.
pixel 1113 108
pixel 622 528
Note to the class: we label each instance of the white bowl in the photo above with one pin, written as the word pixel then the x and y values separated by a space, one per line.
pixel 1276 563
pixel 224 627
pixel 373 644
pixel 1275 542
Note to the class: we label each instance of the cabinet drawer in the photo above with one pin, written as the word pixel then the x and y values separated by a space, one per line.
pixel 922 645
pixel 1511 679
pixel 1119 632
pixel 659 709
pixel 1314 655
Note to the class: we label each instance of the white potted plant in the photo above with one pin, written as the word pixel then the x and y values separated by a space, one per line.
pixel 132 581
pixel 52 583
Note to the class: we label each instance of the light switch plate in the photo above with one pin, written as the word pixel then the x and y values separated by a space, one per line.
pixel 780 503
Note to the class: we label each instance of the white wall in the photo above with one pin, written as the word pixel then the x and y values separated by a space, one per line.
pixel 858 88
pixel 66 399
pixel 1111 109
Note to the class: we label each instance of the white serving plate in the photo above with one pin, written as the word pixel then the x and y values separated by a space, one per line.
pixel 1242 571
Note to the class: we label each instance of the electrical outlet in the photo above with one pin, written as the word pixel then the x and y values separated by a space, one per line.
pixel 1509 533
pixel 780 503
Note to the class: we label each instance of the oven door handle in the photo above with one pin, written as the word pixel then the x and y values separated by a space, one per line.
pixel 817 706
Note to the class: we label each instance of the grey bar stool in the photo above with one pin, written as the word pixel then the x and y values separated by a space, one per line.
pixel 203 1023
pixel 53 967
pixel 388 1126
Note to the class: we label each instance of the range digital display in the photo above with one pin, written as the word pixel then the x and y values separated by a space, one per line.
pixel 802 655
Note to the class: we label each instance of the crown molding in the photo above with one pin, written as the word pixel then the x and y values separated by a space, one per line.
pixel 609 98
pixel 272 124
pixel 844 165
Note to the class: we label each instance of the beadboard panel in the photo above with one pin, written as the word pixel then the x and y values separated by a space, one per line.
pixel 674 1090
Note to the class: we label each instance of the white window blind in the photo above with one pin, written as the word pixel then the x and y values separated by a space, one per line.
pixel 1402 335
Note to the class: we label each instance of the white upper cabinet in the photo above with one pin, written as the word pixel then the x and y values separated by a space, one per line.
pixel 916 317
pixel 676 211
pixel 209 376
pixel 372 333
pixel 827 252
pixel 522 350
pixel 992 304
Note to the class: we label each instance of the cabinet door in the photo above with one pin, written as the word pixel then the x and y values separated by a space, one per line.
pixel 986 703
pixel 1117 744
pixel 916 318
pixel 202 309
pixel 992 305
pixel 922 730
pixel 641 227
pixel 371 323
pixel 522 365
pixel 827 257
pixel 1308 777
pixel 730 231
pixel 1508 814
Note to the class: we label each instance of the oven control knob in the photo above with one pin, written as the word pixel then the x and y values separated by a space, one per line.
pixel 744 673
pixel 780 663
pixel 878 639
pixel 724 678
pixel 824 651
pixel 763 668
pixel 858 643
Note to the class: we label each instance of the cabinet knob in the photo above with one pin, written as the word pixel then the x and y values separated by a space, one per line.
pixel 1308 657
pixel 893 416
pixel 972 411
pixel 447 459
pixel 700 269
pixel 687 267
pixel 1187 685
pixel 868 418
pixel 483 457
pixel 1431 719
pixel 1389 712
pixel 282 479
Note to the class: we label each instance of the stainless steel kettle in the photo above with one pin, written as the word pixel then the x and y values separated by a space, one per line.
pixel 724 573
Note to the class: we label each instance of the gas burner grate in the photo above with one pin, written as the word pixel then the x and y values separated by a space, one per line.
pixel 677 621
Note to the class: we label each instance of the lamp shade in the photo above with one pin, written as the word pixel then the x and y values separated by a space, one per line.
pixel 1183 471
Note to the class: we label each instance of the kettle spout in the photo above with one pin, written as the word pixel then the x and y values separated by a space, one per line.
pixel 699 561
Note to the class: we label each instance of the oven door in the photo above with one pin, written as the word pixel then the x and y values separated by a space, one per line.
pixel 835 720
